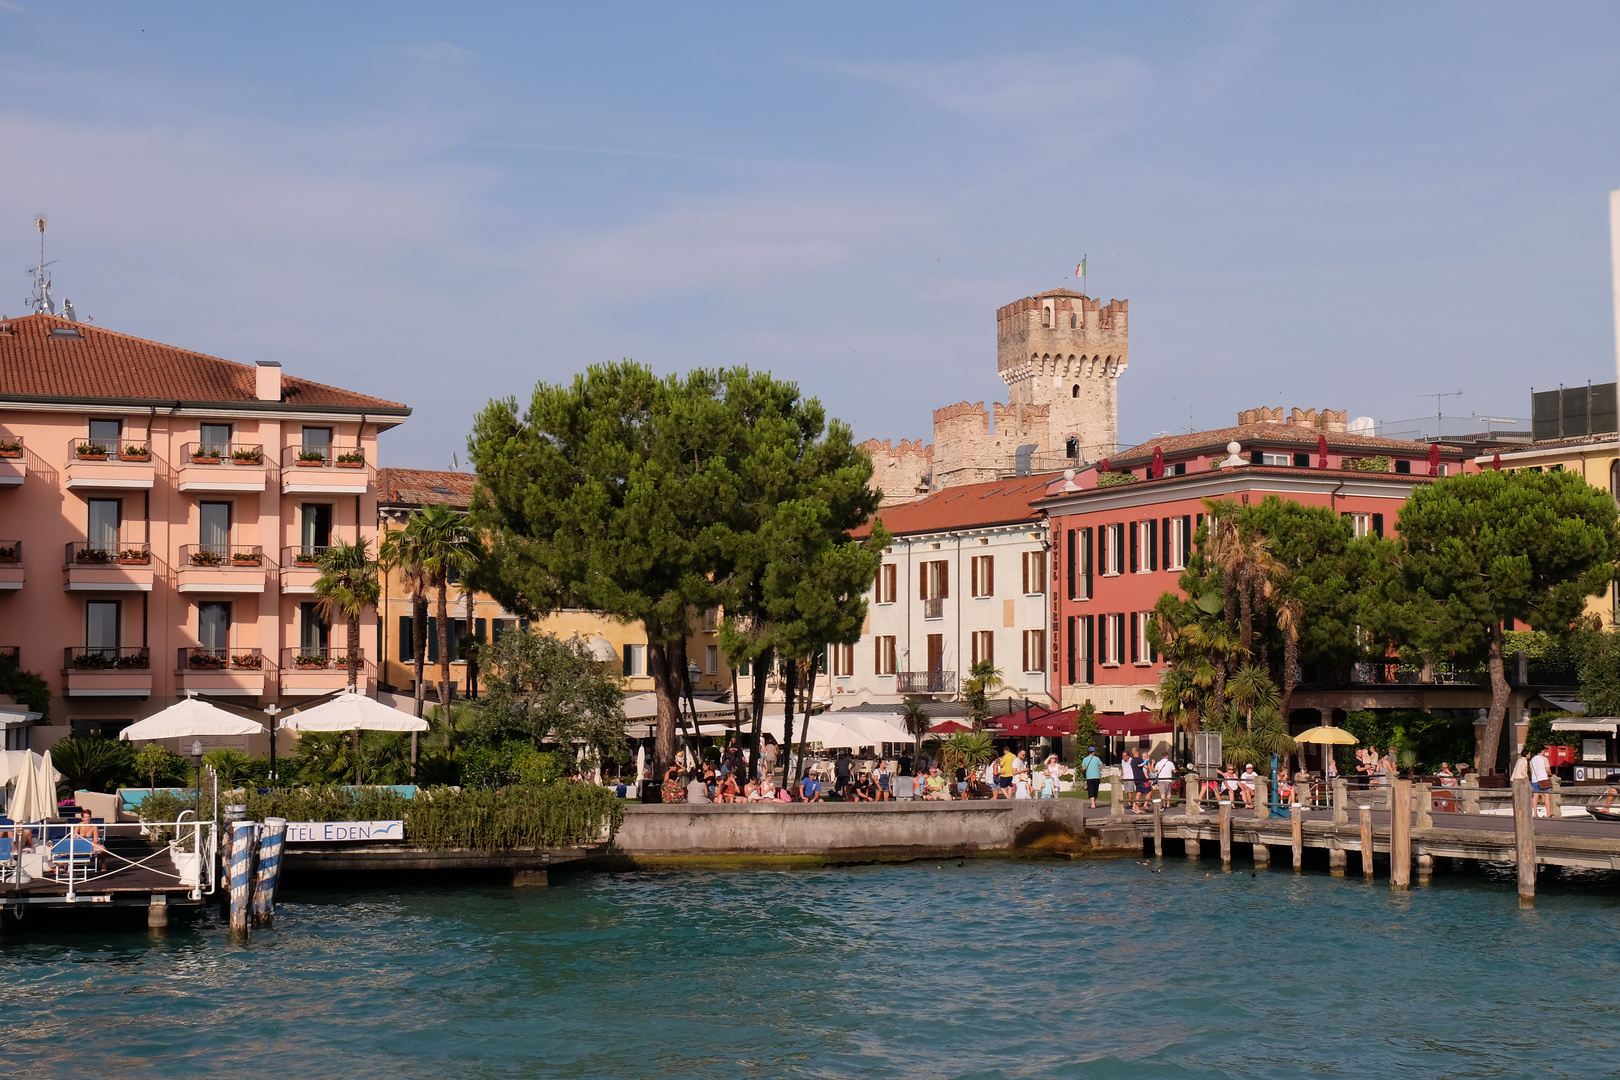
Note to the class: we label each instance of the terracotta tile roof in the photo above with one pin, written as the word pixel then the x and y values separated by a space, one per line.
pixel 998 502
pixel 420 487
pixel 103 364
pixel 1254 435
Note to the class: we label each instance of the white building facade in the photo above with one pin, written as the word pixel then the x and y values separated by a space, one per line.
pixel 966 578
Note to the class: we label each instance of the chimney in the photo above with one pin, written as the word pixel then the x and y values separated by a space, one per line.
pixel 268 384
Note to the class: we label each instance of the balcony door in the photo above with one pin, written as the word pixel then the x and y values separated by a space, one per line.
pixel 316 524
pixel 101 626
pixel 313 633
pixel 106 434
pixel 319 438
pixel 214 527
pixel 103 531
pixel 216 440
pixel 214 627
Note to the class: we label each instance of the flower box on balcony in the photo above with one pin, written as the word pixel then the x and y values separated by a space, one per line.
pixel 247 457
pixel 136 453
pixel 92 661
pixel 311 458
pixel 134 558
pixel 247 662
pixel 206 660
pixel 92 555
pixel 200 458
pixel 306 559
pixel 131 662
pixel 354 460
pixel 245 558
pixel 9 555
pixel 309 663
pixel 10 450
pixel 206 558
pixel 90 452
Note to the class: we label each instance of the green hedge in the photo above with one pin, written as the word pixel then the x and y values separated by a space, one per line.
pixel 553 815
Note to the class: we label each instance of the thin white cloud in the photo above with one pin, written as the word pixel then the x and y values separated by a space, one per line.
pixel 1056 89
pixel 438 52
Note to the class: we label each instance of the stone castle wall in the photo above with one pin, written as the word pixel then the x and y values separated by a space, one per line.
pixel 1328 420
pixel 1059 354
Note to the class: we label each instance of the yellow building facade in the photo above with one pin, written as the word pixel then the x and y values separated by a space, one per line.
pixel 400 491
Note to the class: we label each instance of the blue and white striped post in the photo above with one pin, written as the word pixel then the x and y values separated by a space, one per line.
pixel 264 890
pixel 242 833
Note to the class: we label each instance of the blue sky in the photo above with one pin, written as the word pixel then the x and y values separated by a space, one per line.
pixel 1339 206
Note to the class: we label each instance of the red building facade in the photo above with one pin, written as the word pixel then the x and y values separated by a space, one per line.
pixel 1117 547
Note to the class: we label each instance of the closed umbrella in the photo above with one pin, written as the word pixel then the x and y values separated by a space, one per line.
pixel 34 797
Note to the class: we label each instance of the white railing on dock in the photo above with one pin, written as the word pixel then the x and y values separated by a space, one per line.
pixel 78 854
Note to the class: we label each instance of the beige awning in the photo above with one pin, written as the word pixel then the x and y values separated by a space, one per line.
pixel 1580 723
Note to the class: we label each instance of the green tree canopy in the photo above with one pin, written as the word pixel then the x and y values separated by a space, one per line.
pixel 1479 549
pixel 541 688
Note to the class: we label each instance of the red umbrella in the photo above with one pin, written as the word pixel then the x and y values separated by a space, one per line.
pixel 948 727
pixel 1158 463
pixel 1496 461
pixel 1434 459
pixel 1321 451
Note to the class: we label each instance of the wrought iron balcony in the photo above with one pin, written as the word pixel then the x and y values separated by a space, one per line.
pixel 925 682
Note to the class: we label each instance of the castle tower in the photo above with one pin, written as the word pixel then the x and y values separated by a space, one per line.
pixel 1063 350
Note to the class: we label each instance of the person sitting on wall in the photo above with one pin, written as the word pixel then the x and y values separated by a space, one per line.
pixel 726 790
pixel 673 790
pixel 810 788
pixel 1445 776
pixel 934 786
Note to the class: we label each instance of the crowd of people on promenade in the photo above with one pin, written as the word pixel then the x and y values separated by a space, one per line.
pixel 1009 776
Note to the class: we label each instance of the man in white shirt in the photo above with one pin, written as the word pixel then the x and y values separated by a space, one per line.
pixel 1127 776
pixel 1164 771
pixel 1540 782
pixel 1247 781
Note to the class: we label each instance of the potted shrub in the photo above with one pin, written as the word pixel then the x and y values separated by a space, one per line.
pixel 136 453
pixel 10 449
pixel 205 557
pixel 307 558
pixel 9 554
pixel 249 661
pixel 206 660
pixel 88 451
pixel 309 660
pixel 245 558
pixel 92 555
pixel 308 458
pixel 133 660
pixel 247 455
pixel 205 455
pixel 352 459
pixel 92 660
pixel 340 661
pixel 134 556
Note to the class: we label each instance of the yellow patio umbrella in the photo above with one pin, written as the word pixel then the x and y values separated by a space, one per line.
pixel 1325 736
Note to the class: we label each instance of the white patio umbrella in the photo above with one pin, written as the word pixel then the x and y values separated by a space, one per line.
pixel 34 797
pixel 188 719
pixel 351 711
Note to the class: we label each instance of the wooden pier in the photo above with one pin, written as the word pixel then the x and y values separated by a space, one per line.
pixel 153 886
pixel 1365 825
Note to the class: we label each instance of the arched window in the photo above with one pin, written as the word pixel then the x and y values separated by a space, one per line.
pixel 1076 391
pixel 1074 320
pixel 1046 316
pixel 1071 446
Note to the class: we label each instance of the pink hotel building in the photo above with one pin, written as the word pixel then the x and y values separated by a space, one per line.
pixel 161 514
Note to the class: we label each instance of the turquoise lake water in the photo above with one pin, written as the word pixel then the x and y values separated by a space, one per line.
pixel 989 969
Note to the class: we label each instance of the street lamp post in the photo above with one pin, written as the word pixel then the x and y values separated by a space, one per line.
pixel 196 759
pixel 271 711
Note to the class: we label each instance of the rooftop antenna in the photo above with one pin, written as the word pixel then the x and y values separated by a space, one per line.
pixel 1439 421
pixel 41 301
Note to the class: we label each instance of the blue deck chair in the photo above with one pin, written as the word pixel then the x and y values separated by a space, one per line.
pixel 8 859
pixel 73 856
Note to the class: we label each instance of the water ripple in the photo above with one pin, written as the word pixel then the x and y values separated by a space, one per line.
pixel 983 970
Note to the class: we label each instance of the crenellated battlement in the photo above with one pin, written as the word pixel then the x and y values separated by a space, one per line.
pixel 1060 354
pixel 1327 421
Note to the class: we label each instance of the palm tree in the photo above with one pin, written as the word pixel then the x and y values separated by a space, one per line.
pixel 400 552
pixel 347 586
pixel 441 542
pixel 984 679
pixel 916 722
